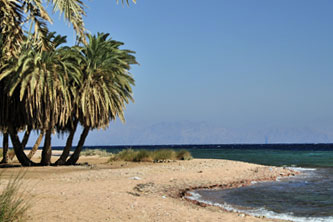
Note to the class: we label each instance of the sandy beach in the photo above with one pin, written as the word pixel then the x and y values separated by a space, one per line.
pixel 122 191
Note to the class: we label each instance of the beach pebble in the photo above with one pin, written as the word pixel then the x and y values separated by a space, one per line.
pixel 163 197
pixel 135 178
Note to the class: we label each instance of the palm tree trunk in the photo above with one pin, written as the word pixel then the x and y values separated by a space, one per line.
pixel 26 136
pixel 47 151
pixel 35 147
pixel 4 148
pixel 75 156
pixel 19 149
pixel 25 139
pixel 65 153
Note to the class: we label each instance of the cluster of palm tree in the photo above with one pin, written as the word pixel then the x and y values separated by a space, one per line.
pixel 47 87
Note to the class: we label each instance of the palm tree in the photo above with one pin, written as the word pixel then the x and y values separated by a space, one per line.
pixel 41 79
pixel 105 88
pixel 14 14
pixel 7 107
pixel 61 87
pixel 12 119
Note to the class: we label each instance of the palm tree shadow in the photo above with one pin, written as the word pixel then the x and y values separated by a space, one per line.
pixel 7 165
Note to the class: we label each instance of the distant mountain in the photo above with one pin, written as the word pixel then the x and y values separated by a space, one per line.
pixel 203 133
pixel 186 132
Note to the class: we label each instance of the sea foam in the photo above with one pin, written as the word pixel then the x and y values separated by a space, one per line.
pixel 258 212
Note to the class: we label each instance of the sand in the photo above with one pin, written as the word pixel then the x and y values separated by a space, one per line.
pixel 135 191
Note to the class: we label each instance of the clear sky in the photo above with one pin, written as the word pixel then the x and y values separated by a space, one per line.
pixel 232 63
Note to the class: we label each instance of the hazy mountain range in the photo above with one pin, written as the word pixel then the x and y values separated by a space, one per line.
pixel 203 133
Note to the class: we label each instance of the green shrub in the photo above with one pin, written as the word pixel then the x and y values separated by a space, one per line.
pixel 164 154
pixel 150 156
pixel 95 152
pixel 125 155
pixel 184 155
pixel 143 156
pixel 13 206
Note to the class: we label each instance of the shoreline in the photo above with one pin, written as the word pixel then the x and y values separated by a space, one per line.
pixel 190 195
pixel 301 175
pixel 186 193
pixel 137 191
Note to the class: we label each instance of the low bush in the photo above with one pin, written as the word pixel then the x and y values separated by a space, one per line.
pixel 151 156
pixel 184 155
pixel 164 154
pixel 125 155
pixel 143 156
pixel 95 152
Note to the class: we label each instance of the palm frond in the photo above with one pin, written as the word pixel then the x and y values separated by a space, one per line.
pixel 127 1
pixel 106 82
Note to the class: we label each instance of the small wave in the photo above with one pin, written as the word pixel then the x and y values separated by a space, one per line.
pixel 259 211
pixel 194 196
pixel 301 169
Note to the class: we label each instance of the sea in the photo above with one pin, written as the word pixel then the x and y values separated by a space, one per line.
pixel 307 197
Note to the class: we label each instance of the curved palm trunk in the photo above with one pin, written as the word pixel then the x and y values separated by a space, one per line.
pixel 36 145
pixel 19 149
pixel 26 136
pixel 5 148
pixel 65 153
pixel 75 156
pixel 24 140
pixel 47 151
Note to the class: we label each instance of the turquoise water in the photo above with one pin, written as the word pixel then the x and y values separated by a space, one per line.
pixel 271 157
pixel 302 155
pixel 308 197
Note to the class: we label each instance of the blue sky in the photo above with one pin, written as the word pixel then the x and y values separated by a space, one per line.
pixel 232 63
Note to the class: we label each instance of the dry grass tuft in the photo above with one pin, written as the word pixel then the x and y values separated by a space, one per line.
pixel 184 155
pixel 13 204
pixel 151 156
pixel 11 153
pixel 95 152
